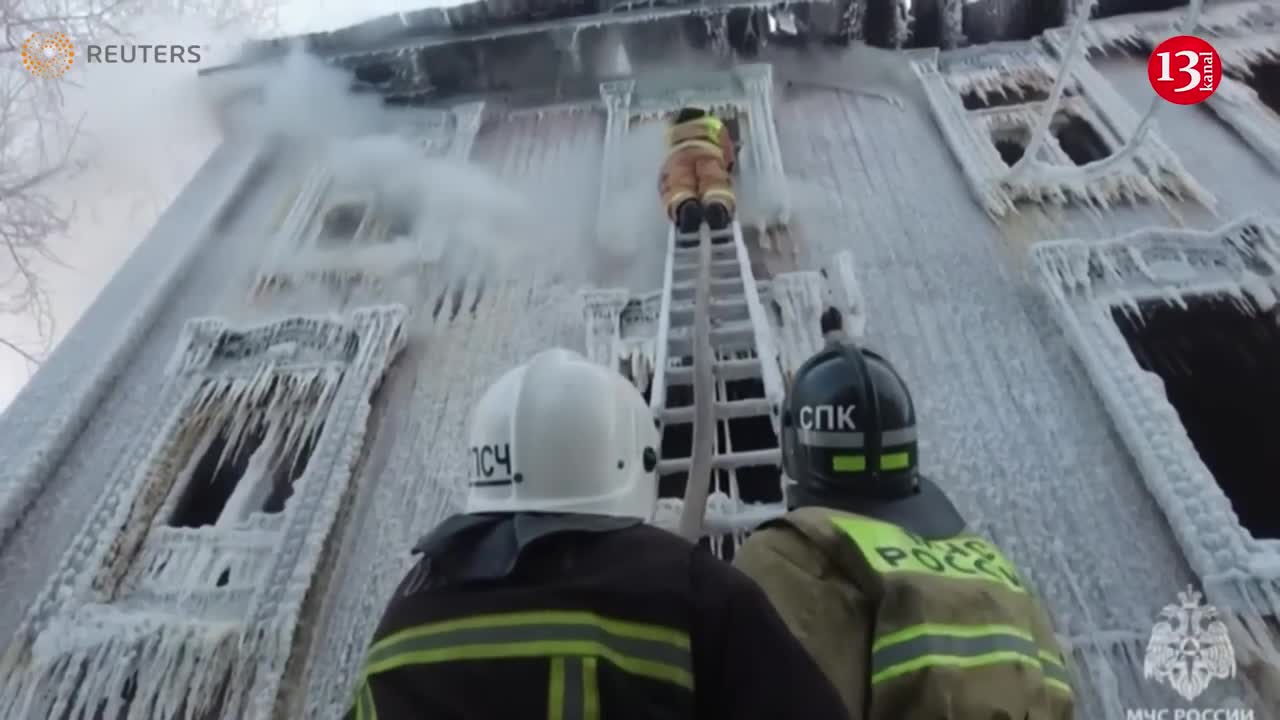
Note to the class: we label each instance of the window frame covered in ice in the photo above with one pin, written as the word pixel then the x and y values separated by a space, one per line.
pixel 208 613
pixel 372 254
pixel 1084 281
pixel 1153 172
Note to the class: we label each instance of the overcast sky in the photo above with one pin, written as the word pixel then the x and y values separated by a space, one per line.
pixel 146 136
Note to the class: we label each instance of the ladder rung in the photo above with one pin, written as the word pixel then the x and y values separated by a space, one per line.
pixel 722 249
pixel 731 334
pixel 726 461
pixel 732 302
pixel 731 309
pixel 722 267
pixel 725 410
pixel 715 282
pixel 726 370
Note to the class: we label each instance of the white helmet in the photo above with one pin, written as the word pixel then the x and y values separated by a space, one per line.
pixel 563 434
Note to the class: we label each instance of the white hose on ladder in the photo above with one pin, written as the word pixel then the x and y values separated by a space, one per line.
pixel 701 475
pixel 1093 170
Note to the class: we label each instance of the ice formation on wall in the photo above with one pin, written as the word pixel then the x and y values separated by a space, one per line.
pixel 796 299
pixel 143 619
pixel 1084 280
pixel 1149 171
pixel 621 331
pixel 184 227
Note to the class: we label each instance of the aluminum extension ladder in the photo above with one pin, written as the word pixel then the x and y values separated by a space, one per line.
pixel 712 331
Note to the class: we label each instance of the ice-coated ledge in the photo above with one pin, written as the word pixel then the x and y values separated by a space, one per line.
pixel 1083 281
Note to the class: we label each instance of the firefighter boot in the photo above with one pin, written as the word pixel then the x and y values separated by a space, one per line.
pixel 689 219
pixel 718 216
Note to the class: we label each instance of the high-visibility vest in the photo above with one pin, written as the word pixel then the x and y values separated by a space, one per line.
pixel 698 132
pixel 956 632
pixel 575 645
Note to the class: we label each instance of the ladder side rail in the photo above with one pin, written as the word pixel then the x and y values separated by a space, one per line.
pixel 658 386
pixel 770 371
pixel 698 481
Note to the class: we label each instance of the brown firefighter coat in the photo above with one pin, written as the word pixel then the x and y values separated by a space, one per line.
pixel 700 159
pixel 910 629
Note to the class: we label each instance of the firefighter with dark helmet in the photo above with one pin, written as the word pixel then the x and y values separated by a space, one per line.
pixel 910 615
pixel 550 596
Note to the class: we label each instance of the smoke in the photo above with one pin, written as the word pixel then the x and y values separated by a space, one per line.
pixel 539 220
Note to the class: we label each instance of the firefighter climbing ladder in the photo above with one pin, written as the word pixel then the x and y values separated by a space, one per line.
pixel 712 332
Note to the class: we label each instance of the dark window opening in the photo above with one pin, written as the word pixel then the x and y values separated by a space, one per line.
pixel 1004 97
pixel 214 478
pixel 679 396
pixel 760 484
pixel 1078 139
pixel 285 471
pixel 219 471
pixel 375 73
pixel 1264 78
pixel 671 485
pixel 677 441
pixel 752 433
pixel 341 223
pixel 744 389
pixel 399 225
pixel 1112 8
pixel 1217 358
pixel 1011 144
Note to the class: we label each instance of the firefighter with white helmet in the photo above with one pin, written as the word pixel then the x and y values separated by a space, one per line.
pixel 909 614
pixel 551 597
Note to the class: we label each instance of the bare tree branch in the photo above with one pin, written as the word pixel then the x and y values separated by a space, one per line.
pixel 39 137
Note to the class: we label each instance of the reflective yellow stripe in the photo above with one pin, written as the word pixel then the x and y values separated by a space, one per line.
pixel 555 691
pixel 590 690
pixel 895 461
pixel 890 549
pixel 363 705
pixel 858 463
pixel 371 707
pixel 934 645
pixel 647 650
pixel 849 463
pixel 697 143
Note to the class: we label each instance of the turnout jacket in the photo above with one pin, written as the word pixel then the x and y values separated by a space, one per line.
pixel 530 616
pixel 707 133
pixel 908 628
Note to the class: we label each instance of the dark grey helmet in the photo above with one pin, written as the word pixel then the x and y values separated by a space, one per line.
pixel 849 441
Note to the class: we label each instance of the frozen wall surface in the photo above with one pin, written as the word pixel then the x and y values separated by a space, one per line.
pixel 211 488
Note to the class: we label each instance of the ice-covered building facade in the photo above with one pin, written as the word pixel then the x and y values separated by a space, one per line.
pixel 210 489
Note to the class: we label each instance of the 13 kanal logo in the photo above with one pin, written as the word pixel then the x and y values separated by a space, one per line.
pixel 48 55
pixel 1184 70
